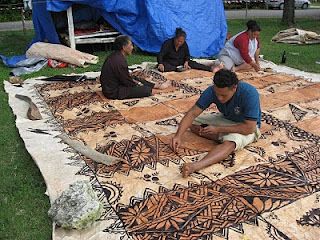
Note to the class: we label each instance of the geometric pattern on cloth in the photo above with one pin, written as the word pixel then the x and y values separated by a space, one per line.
pixel 311 218
pixel 201 210
pixel 145 195
pixel 297 113
pixel 139 152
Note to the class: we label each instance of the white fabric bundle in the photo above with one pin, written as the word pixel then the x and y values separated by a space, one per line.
pixel 61 53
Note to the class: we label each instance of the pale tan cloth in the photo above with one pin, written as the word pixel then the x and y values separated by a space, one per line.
pixel 61 53
pixel 296 36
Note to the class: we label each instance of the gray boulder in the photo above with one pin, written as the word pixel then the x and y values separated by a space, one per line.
pixel 77 207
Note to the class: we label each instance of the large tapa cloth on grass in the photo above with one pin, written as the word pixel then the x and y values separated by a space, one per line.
pixel 269 190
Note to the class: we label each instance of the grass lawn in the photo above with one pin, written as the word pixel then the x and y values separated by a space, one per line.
pixel 23 205
pixel 315 4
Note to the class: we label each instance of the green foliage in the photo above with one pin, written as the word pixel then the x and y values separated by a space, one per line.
pixel 11 11
pixel 12 16
pixel 11 1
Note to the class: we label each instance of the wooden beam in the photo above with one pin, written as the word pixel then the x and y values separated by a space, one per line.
pixel 71 28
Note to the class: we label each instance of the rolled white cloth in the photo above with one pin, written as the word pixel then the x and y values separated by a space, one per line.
pixel 61 53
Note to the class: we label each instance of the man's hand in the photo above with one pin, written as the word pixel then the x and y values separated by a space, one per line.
pixel 256 66
pixel 161 67
pixel 185 123
pixel 175 143
pixel 209 130
pixel 186 65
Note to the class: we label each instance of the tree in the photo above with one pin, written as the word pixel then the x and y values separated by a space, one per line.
pixel 11 1
pixel 288 13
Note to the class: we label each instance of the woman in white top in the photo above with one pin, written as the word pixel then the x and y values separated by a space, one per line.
pixel 241 52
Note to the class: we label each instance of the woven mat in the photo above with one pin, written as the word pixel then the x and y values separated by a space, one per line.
pixel 269 190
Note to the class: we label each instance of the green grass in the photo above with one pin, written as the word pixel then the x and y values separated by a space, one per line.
pixel 315 4
pixel 23 205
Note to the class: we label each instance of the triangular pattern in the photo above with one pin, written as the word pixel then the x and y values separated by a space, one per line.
pixel 311 218
pixel 297 112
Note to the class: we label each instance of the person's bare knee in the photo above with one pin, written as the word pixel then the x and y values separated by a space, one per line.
pixel 229 146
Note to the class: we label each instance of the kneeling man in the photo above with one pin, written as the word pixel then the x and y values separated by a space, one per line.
pixel 236 126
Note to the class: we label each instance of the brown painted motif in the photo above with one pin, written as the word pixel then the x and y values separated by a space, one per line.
pixel 287 166
pixel 139 152
pixel 201 210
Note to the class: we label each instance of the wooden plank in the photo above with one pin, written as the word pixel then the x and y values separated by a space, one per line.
pixel 71 28
pixel 96 34
pixel 94 40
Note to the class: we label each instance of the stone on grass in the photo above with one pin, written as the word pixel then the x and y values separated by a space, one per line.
pixel 77 207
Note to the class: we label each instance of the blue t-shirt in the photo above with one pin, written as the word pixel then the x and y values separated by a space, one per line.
pixel 244 104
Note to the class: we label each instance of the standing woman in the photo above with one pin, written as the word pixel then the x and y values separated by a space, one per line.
pixel 242 50
pixel 175 52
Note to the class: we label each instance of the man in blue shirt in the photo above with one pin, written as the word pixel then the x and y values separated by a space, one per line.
pixel 236 126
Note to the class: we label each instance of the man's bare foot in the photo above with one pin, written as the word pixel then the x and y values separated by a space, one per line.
pixel 215 69
pixel 187 169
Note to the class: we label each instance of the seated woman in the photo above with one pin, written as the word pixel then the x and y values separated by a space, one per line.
pixel 115 79
pixel 241 52
pixel 175 52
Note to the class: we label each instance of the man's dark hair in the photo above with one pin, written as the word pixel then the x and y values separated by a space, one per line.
pixel 225 78
pixel 121 41
pixel 180 33
pixel 253 26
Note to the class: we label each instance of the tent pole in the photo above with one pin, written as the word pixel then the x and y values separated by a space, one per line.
pixel 71 28
pixel 246 9
pixel 23 18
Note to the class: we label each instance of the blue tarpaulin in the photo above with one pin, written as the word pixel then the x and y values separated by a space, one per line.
pixel 22 65
pixel 149 22
pixel 43 24
pixel 12 61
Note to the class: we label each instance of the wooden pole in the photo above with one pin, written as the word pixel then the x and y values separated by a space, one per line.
pixel 71 28
pixel 23 18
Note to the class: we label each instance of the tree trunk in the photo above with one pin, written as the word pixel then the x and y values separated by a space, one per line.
pixel 288 13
